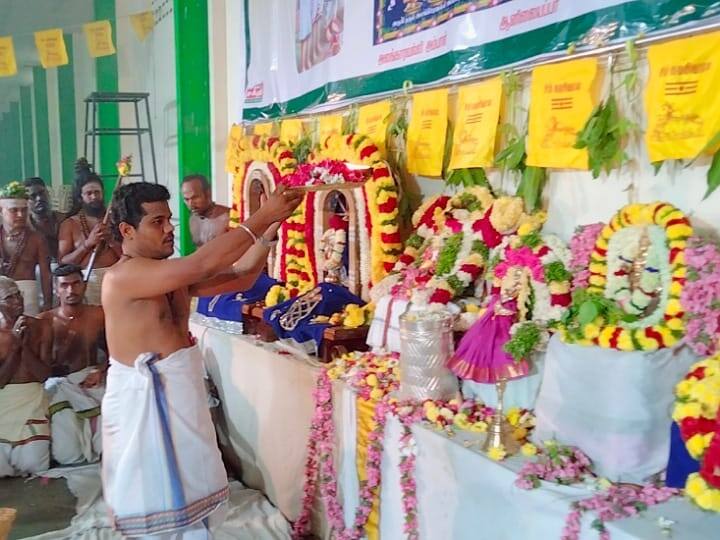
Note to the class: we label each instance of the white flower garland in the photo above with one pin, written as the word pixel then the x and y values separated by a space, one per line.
pixel 364 236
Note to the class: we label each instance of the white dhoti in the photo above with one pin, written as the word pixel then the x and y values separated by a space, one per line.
pixel 75 419
pixel 24 430
pixel 385 328
pixel 162 470
pixel 29 290
pixel 94 287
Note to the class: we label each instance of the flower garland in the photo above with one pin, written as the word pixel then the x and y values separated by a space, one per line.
pixel 327 171
pixel 408 416
pixel 320 470
pixel 664 332
pixel 701 297
pixel 297 259
pixel 582 245
pixel 697 412
pixel 560 464
pixel 370 375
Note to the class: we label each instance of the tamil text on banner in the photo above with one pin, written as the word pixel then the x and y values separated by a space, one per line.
pixel 562 97
pixel 427 132
pixel 8 66
pixel 263 129
pixel 99 38
pixel 329 124
pixel 324 50
pixel 51 48
pixel 142 24
pixel 476 120
pixel 682 97
pixel 373 120
pixel 232 152
pixel 291 130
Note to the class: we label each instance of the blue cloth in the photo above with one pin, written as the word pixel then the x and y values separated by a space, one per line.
pixel 334 299
pixel 228 307
pixel 681 464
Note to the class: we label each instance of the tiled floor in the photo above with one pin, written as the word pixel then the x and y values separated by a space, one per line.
pixel 42 505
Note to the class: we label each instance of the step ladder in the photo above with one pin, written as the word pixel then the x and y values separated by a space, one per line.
pixel 92 131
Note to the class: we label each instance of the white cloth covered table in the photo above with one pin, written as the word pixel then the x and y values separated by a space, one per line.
pixel 461 494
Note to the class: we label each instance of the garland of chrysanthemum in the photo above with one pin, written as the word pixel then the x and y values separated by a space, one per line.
pixel 320 465
pixel 697 412
pixel 669 330
pixel 297 264
pixel 701 297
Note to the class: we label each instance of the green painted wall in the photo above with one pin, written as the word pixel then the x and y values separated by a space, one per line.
pixel 192 75
pixel 42 132
pixel 68 128
pixel 14 145
pixel 4 156
pixel 27 131
pixel 106 71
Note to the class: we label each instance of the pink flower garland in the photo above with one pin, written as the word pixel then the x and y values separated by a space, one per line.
pixel 618 502
pixel 308 174
pixel 408 414
pixel 581 247
pixel 320 465
pixel 701 297
pixel 563 465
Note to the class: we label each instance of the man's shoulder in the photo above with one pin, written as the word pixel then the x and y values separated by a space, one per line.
pixel 69 221
pixel 48 315
pixel 221 210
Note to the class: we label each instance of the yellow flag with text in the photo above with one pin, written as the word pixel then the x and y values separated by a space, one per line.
pixel 476 121
pixel 51 48
pixel 8 65
pixel 232 152
pixel 291 130
pixel 427 132
pixel 372 121
pixel 329 124
pixel 99 38
pixel 562 98
pixel 263 129
pixel 142 23
pixel 682 97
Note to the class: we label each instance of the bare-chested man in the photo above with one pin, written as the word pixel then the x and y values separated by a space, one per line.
pixel 25 351
pixel 208 219
pixel 82 232
pixel 43 219
pixel 78 338
pixel 22 249
pixel 162 470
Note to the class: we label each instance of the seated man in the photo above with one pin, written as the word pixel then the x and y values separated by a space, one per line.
pixel 78 334
pixel 25 350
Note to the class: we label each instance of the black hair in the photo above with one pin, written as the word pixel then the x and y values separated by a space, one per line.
pixel 34 181
pixel 67 270
pixel 201 178
pixel 84 174
pixel 127 201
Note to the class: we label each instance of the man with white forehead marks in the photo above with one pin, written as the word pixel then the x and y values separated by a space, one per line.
pixel 25 357
pixel 22 249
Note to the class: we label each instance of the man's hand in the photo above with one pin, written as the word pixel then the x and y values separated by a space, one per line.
pixel 20 327
pixel 99 233
pixel 281 204
pixel 94 378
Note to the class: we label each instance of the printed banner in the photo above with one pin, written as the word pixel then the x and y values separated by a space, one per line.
pixel 51 48
pixel 682 97
pixel 99 38
pixel 8 66
pixel 476 120
pixel 329 124
pixel 322 51
pixel 373 121
pixel 291 130
pixel 143 24
pixel 427 132
pixel 562 97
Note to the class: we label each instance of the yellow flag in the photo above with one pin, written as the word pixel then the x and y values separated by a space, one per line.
pixel 291 130
pixel 8 66
pixel 562 98
pixel 372 121
pixel 51 48
pixel 142 23
pixel 682 97
pixel 99 38
pixel 330 124
pixel 232 152
pixel 427 132
pixel 476 120
pixel 263 129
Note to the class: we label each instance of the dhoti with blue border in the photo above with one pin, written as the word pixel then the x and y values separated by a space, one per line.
pixel 162 470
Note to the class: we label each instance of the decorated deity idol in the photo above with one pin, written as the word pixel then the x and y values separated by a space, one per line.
pixel 333 243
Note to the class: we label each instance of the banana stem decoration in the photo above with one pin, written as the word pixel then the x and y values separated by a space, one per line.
pixel 124 166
